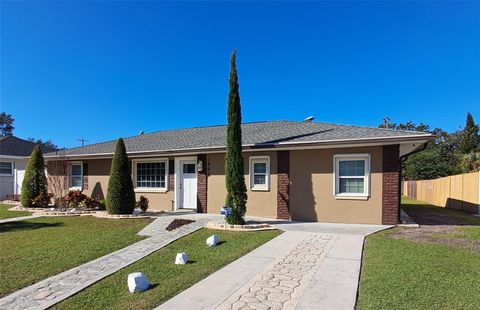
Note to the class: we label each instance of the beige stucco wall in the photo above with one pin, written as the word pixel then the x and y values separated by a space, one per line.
pixel 98 174
pixel 311 189
pixel 259 203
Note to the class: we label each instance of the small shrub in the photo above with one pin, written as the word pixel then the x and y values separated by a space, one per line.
pixel 42 200
pixel 102 206
pixel 73 199
pixel 142 203
pixel 91 203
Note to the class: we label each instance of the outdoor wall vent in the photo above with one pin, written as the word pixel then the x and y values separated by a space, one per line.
pixel 309 119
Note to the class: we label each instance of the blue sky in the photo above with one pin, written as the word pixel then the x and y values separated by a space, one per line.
pixel 103 70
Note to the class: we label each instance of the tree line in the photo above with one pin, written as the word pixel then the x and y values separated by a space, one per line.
pixel 450 153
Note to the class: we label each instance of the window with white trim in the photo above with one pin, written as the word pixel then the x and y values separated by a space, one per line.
pixel 76 177
pixel 6 168
pixel 150 174
pixel 352 174
pixel 260 173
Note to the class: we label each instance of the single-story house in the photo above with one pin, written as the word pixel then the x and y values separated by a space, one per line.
pixel 307 171
pixel 14 154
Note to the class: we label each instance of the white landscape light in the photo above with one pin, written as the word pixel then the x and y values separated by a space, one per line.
pixel 200 166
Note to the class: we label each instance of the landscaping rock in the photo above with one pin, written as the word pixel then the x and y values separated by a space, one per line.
pixel 137 282
pixel 213 240
pixel 181 259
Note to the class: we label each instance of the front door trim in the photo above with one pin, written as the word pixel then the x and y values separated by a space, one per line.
pixel 178 173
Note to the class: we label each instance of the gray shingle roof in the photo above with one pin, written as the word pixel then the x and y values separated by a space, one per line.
pixel 13 146
pixel 254 134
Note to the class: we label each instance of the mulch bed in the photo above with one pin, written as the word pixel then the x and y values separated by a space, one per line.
pixel 176 223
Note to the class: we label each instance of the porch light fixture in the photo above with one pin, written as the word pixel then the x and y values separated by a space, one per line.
pixel 200 166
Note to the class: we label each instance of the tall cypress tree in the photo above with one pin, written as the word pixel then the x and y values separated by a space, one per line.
pixel 120 194
pixel 34 181
pixel 470 140
pixel 234 168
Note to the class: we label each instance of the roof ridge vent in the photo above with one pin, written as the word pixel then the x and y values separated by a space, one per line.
pixel 309 119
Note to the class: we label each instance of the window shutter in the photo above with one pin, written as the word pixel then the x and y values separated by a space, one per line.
pixel 85 176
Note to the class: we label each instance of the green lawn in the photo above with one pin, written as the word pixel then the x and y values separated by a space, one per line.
pixel 5 214
pixel 408 274
pixel 36 249
pixel 167 278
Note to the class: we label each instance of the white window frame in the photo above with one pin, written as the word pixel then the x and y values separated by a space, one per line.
pixel 75 188
pixel 149 189
pixel 11 169
pixel 260 159
pixel 336 175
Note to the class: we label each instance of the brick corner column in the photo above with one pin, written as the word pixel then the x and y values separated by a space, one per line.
pixel 283 185
pixel 390 185
pixel 202 185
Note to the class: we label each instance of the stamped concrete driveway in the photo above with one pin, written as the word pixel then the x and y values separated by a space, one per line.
pixel 309 266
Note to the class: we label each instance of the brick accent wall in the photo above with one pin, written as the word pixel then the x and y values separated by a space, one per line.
pixel 283 185
pixel 202 185
pixel 390 199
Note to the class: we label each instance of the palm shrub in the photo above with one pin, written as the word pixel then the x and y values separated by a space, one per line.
pixel 34 182
pixel 234 169
pixel 120 193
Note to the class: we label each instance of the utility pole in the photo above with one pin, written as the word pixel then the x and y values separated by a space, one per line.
pixel 82 141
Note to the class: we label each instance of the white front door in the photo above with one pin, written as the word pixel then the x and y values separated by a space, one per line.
pixel 18 181
pixel 188 184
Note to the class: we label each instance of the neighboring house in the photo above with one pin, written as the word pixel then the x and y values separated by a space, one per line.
pixel 14 154
pixel 293 170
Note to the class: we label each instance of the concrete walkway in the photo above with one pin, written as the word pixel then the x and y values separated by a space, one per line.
pixel 20 218
pixel 309 266
pixel 50 291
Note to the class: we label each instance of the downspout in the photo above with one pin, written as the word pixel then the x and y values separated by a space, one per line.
pixel 401 159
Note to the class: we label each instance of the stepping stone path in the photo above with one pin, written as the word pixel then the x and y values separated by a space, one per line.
pixel 48 292
pixel 277 287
